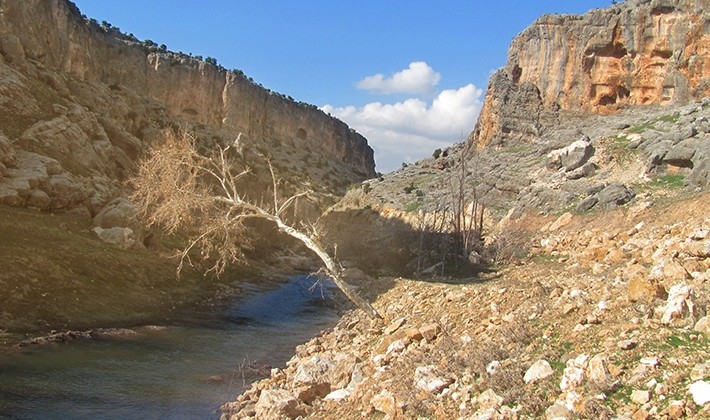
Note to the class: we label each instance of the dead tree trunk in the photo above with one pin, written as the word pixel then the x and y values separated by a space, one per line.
pixel 331 267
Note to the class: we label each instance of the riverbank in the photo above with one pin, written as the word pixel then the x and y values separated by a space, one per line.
pixel 56 277
pixel 186 368
pixel 605 315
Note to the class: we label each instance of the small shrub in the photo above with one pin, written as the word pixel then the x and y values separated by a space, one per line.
pixel 437 153
pixel 409 188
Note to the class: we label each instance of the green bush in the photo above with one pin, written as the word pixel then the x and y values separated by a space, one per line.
pixel 409 188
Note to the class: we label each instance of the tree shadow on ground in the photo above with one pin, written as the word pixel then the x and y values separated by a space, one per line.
pixel 379 249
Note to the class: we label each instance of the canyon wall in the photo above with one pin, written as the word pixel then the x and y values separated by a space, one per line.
pixel 638 52
pixel 80 101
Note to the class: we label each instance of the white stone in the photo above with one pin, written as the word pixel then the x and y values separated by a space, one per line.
pixel 338 394
pixel 539 370
pixel 489 399
pixel 640 397
pixel 492 367
pixel 700 391
pixel 571 378
pixel 703 325
pixel 650 361
pixel 700 371
pixel 597 370
pixel 558 411
pixel 315 370
pixel 396 347
pixel 579 361
pixel 430 379
pixel 679 303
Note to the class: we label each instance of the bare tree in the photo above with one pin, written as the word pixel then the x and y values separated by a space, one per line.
pixel 467 222
pixel 202 196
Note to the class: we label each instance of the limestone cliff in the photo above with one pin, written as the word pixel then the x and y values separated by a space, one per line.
pixel 79 102
pixel 639 52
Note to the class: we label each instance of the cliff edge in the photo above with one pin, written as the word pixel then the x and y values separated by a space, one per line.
pixel 80 102
pixel 637 52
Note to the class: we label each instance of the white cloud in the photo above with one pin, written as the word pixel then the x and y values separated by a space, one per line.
pixel 412 129
pixel 418 78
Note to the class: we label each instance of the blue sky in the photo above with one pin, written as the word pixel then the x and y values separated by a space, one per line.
pixel 408 75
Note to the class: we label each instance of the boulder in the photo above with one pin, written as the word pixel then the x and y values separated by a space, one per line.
pixel 640 396
pixel 66 191
pixel 118 236
pixel 7 153
pixel 119 212
pixel 430 379
pixel 700 371
pixel 615 195
pixel 583 171
pixel 489 400
pixel 679 306
pixel 574 373
pixel 538 371
pixel 700 391
pixel 680 155
pixel 38 199
pixel 669 269
pixel 703 325
pixel 640 287
pixel 700 175
pixel 313 378
pixel 676 409
pixel 597 369
pixel 558 411
pixel 430 331
pixel 277 403
pixel 571 157
pixel 572 377
pixel 385 402
pixel 587 204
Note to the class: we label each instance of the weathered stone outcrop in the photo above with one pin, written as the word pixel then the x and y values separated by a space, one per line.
pixel 90 100
pixel 639 52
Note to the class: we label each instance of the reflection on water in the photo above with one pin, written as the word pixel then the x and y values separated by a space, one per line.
pixel 180 371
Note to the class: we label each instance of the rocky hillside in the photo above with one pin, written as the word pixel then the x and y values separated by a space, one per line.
pixel 589 298
pixel 547 141
pixel 81 101
pixel 637 52
pixel 603 316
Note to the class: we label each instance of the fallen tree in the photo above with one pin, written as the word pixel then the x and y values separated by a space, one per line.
pixel 201 195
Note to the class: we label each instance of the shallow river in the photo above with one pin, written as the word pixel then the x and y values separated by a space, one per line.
pixel 185 370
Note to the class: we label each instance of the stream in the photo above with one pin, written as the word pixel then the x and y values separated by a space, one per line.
pixel 184 370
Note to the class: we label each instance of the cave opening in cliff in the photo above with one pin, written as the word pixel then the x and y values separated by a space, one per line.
pixel 517 72
pixel 606 100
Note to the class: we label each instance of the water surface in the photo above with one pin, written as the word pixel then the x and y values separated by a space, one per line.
pixel 184 370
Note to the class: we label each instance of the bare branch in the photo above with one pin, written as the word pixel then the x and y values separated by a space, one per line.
pixel 199 196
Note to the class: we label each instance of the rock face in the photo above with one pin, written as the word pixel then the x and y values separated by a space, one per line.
pixel 80 102
pixel 638 52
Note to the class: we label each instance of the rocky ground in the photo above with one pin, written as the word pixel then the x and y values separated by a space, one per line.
pixel 600 315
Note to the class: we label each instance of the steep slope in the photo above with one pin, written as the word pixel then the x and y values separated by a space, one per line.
pixel 546 141
pixel 592 159
pixel 633 53
pixel 81 101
